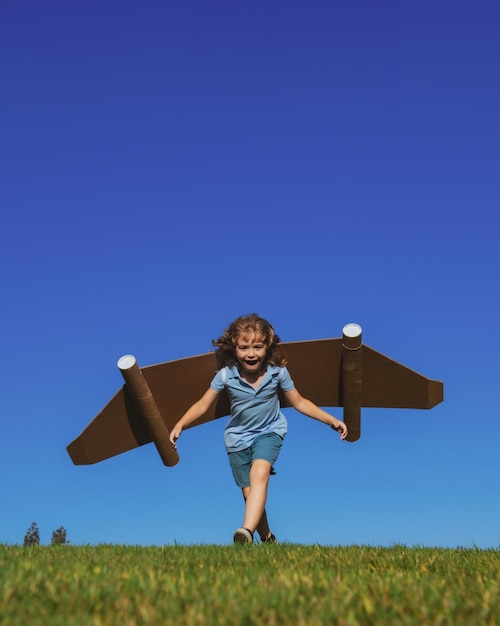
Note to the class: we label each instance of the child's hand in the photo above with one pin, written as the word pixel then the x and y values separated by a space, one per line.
pixel 341 428
pixel 175 433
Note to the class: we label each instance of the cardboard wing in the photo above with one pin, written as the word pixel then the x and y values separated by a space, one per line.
pixel 331 372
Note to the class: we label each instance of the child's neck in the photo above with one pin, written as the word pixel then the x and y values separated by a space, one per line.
pixel 254 378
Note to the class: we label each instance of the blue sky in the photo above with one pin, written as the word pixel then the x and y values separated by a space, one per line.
pixel 168 166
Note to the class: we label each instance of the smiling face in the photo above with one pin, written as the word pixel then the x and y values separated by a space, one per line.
pixel 250 350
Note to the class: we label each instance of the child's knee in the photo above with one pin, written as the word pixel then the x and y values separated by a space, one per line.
pixel 260 470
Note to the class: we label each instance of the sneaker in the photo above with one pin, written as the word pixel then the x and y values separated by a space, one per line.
pixel 270 539
pixel 243 535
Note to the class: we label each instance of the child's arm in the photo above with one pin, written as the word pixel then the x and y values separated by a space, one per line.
pixel 198 409
pixel 310 409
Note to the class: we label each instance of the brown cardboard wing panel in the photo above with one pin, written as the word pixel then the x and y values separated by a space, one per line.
pixel 389 384
pixel 118 427
pixel 115 429
pixel 315 367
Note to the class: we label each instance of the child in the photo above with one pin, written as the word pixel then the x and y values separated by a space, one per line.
pixel 254 370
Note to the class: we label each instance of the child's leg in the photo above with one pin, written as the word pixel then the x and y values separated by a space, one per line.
pixel 263 525
pixel 252 468
pixel 255 498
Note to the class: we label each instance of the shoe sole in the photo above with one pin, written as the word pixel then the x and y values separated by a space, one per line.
pixel 242 535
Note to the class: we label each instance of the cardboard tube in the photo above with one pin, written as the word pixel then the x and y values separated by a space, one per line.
pixel 352 379
pixel 146 405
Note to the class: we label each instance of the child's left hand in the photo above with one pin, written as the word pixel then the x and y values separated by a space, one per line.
pixel 341 428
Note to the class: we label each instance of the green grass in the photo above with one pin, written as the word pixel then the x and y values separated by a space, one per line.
pixel 262 585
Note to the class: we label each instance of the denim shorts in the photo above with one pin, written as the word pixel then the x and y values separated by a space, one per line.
pixel 266 447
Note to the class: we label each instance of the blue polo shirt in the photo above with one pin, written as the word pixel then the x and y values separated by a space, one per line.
pixel 253 411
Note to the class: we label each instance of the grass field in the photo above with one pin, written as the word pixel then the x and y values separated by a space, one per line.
pixel 261 584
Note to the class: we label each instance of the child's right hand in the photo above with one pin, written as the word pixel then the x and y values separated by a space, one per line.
pixel 175 433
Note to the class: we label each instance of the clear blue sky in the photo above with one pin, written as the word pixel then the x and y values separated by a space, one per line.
pixel 167 166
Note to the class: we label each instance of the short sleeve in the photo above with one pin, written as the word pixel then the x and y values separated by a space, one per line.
pixel 286 381
pixel 217 383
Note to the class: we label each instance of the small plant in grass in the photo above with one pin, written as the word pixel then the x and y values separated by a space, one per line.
pixel 59 537
pixel 32 537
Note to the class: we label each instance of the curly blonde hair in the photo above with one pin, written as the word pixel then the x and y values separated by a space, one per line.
pixel 248 326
